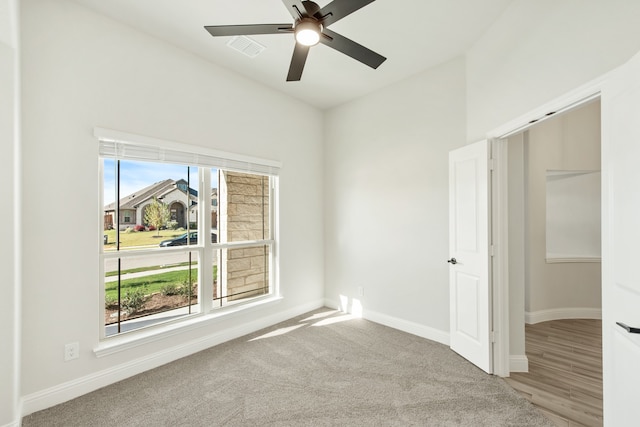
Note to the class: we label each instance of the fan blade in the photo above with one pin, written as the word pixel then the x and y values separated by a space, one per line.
pixel 295 8
pixel 338 9
pixel 245 30
pixel 352 49
pixel 298 59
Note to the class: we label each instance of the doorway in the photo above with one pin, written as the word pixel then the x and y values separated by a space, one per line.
pixel 553 186
pixel 554 277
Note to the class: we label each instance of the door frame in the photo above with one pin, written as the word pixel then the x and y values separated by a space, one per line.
pixel 499 281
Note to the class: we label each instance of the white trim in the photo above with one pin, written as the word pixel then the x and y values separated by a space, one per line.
pixel 533 317
pixel 403 325
pixel 128 340
pixel 423 331
pixel 71 389
pixel 499 223
pixel 205 275
pixel 140 253
pixel 518 363
pixel 16 348
pixel 9 22
pixel 559 260
pixel 569 101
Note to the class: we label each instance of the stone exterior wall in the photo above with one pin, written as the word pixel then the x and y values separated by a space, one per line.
pixel 247 272
pixel 247 218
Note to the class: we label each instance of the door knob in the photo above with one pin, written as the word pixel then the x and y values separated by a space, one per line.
pixel 453 261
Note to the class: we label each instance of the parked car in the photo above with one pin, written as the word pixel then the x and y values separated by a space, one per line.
pixel 182 240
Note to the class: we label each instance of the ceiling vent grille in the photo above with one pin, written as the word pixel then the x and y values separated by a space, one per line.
pixel 245 45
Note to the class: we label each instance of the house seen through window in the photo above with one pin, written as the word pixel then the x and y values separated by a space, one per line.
pixel 173 248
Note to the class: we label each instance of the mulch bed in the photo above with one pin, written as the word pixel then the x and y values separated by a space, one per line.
pixel 155 303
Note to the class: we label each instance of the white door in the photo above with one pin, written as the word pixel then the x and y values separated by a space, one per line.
pixel 621 244
pixel 469 290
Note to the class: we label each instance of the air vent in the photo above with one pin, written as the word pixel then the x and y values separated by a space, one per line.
pixel 244 44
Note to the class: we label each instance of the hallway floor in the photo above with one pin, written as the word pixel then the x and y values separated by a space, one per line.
pixel 565 371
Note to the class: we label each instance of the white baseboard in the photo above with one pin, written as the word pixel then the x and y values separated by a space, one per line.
pixel 413 328
pixel 518 363
pixel 532 317
pixel 423 331
pixel 71 389
pixel 12 424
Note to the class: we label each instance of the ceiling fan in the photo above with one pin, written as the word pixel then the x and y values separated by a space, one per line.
pixel 310 28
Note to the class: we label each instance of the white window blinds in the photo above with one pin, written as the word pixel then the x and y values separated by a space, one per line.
pixel 122 146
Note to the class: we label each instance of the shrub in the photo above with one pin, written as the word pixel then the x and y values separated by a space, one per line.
pixel 134 299
pixel 172 225
pixel 110 302
pixel 138 228
pixel 151 228
pixel 186 290
pixel 170 289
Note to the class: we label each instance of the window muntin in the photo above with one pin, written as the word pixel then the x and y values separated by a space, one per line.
pixel 247 207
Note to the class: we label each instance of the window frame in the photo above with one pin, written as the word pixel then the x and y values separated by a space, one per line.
pixel 121 143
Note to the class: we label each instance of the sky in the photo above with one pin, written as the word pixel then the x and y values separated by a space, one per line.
pixel 136 175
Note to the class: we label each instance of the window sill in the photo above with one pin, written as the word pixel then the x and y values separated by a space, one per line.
pixel 141 337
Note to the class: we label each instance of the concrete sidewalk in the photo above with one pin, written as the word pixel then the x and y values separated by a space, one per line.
pixel 146 273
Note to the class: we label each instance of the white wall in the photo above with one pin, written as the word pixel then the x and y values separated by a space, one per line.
pixel 9 309
pixel 540 50
pixel 568 142
pixel 386 198
pixel 81 70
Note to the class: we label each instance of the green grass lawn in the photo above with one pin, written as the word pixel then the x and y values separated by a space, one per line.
pixel 139 238
pixel 152 283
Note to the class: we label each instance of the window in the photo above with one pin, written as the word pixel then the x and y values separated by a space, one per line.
pixel 158 266
pixel 573 216
pixel 245 220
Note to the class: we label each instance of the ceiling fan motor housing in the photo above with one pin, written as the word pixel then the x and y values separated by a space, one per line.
pixel 308 31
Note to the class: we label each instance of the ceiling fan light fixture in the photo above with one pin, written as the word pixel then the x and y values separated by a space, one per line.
pixel 308 28
pixel 308 32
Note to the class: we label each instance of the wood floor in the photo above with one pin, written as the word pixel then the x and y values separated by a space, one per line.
pixel 565 371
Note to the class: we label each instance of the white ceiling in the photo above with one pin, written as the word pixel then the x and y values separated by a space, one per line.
pixel 414 35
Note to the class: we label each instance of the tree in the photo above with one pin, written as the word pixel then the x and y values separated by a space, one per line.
pixel 157 214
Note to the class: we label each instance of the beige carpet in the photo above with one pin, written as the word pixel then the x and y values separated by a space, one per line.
pixel 321 369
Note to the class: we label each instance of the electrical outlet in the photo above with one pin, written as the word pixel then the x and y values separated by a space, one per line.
pixel 71 351
pixel 360 291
